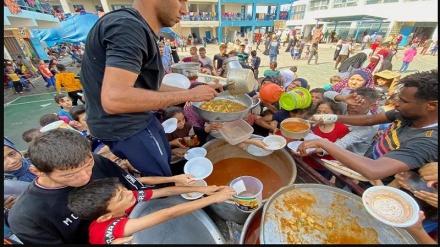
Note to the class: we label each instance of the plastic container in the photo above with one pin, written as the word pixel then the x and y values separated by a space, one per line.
pixel 297 98
pixel 275 142
pixel 249 193
pixel 195 195
pixel 170 125
pixel 195 152
pixel 14 188
pixel 294 135
pixel 236 131
pixel 270 92
pixel 200 167
pixel 60 124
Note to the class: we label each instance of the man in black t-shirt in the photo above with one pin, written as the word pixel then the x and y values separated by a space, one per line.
pixel 63 160
pixel 121 76
pixel 218 58
pixel 408 143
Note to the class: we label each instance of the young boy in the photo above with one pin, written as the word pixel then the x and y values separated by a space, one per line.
pixel 78 114
pixel 255 63
pixel 70 83
pixel 18 87
pixel 65 103
pixel 62 160
pixel 108 204
pixel 333 80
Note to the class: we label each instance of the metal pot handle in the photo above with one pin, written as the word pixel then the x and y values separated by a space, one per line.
pixel 255 104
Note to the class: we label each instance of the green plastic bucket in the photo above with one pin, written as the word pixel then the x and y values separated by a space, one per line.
pixel 297 98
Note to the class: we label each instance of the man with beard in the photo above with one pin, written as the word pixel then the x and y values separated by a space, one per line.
pixel 408 143
pixel 121 76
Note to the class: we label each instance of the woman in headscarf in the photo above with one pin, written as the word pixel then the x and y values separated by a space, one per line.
pixel 351 64
pixel 298 82
pixel 358 78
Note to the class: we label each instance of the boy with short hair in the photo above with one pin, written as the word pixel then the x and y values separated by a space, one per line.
pixel 65 103
pixel 255 63
pixel 107 203
pixel 78 114
pixel 62 160
pixel 67 80
pixel 30 134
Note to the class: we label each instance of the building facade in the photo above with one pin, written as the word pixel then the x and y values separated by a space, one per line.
pixel 220 19
pixel 351 18
pixel 18 18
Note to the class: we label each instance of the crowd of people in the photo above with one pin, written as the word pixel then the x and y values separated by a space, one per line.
pixel 109 151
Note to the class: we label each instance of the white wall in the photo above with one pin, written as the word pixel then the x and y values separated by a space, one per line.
pixel 419 11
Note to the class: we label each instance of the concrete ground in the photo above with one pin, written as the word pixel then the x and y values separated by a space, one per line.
pixel 22 111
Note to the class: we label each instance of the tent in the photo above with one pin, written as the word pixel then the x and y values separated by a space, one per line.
pixel 75 29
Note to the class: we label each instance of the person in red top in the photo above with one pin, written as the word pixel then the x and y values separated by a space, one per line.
pixel 47 75
pixel 331 132
pixel 374 46
pixel 108 204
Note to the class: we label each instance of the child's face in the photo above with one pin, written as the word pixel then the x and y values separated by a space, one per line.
pixel 65 103
pixel 334 81
pixel 324 109
pixel 382 82
pixel 12 160
pixel 121 201
pixel 355 81
pixel 291 86
pixel 180 120
pixel 82 122
pixel 316 97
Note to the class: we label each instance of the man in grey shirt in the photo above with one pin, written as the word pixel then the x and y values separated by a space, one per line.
pixel 343 54
pixel 359 139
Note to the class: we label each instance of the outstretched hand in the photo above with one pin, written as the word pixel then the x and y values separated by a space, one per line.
pixel 353 99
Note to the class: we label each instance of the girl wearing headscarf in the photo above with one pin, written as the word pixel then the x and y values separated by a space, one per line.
pixel 16 166
pixel 358 78
pixel 298 82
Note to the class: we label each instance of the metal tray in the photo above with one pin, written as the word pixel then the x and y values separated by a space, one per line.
pixel 350 221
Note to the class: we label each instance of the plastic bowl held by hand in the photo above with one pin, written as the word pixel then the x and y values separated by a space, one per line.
pixel 200 167
pixel 195 152
pixel 294 134
pixel 170 125
pixel 176 80
pixel 257 151
pixel 391 206
pixel 195 195
pixel 274 142
pixel 295 144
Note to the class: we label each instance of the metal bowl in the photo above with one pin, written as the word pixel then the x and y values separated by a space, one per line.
pixel 222 116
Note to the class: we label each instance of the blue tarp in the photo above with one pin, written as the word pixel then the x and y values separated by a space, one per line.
pixel 75 29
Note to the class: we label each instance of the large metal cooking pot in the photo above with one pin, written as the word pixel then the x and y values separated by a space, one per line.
pixel 189 69
pixel 192 228
pixel 240 81
pixel 341 215
pixel 280 161
pixel 232 63
pixel 250 233
pixel 226 117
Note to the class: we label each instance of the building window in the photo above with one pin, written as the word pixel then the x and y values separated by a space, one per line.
pixel 367 2
pixel 59 7
pixel 298 12
pixel 77 7
pixel 120 6
pixel 318 5
pixel 344 3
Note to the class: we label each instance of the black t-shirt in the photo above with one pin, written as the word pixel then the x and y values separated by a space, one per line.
pixel 120 39
pixel 220 59
pixel 41 216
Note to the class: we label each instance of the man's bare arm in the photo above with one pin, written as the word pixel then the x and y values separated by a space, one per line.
pixel 119 96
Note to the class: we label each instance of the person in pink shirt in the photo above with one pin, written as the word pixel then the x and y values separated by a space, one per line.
pixel 408 57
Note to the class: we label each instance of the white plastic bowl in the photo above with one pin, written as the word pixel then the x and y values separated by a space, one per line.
pixel 195 152
pixel 195 195
pixel 377 204
pixel 275 142
pixel 257 151
pixel 295 144
pixel 170 125
pixel 200 167
pixel 176 80
pixel 311 136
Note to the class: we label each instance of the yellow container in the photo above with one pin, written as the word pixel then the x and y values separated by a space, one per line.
pixel 297 98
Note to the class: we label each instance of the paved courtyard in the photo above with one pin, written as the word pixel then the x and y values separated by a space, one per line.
pixel 22 112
